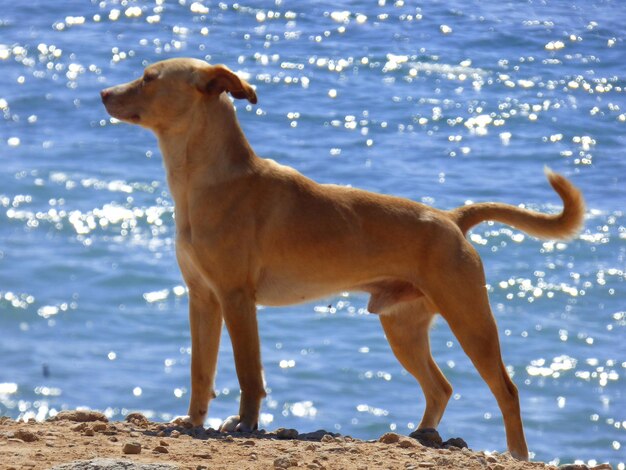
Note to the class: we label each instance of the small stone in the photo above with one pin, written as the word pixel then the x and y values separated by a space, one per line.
pixel 89 432
pixel 314 435
pixel 79 416
pixel 498 466
pixel 26 436
pixel 407 443
pixel 113 439
pixel 113 464
pixel 285 462
pixel 327 438
pixel 311 447
pixel 389 438
pixel 134 434
pixel 136 418
pixel 160 450
pixel 253 456
pixel 163 442
pixel 455 442
pixel 249 443
pixel 175 434
pixel 131 448
pixel 99 427
pixel 79 427
pixel 203 456
pixel 428 437
pixel 282 433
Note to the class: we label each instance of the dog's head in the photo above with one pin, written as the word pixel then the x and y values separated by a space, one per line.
pixel 168 90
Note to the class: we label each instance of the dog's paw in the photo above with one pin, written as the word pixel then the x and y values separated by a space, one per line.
pixel 234 424
pixel 230 424
pixel 184 421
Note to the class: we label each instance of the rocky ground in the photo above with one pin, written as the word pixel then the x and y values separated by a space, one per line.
pixel 86 440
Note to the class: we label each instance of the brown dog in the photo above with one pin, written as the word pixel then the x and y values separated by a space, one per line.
pixel 252 231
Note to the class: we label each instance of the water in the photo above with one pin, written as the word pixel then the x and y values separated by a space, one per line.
pixel 449 102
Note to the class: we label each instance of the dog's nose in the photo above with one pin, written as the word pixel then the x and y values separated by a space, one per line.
pixel 105 94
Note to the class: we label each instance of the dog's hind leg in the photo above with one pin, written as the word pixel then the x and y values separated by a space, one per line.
pixel 462 299
pixel 407 332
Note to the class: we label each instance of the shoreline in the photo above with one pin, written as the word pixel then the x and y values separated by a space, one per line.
pixel 137 443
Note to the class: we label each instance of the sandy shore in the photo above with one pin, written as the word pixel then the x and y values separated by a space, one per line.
pixel 140 444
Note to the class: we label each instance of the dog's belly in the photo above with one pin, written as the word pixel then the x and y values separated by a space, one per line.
pixel 275 290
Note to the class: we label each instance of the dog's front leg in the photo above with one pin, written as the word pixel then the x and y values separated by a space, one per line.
pixel 205 321
pixel 239 310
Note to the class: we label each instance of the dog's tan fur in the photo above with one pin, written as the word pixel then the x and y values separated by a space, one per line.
pixel 250 230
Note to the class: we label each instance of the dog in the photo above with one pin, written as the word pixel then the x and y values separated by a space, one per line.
pixel 251 231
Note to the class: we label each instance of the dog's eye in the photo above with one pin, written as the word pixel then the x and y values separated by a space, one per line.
pixel 149 77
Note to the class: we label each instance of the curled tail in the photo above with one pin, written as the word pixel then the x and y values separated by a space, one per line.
pixel 560 226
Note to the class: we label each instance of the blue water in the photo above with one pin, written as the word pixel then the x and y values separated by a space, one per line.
pixel 443 103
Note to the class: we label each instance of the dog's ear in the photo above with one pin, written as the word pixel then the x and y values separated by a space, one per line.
pixel 215 79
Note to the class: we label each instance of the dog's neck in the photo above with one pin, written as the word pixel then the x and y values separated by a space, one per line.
pixel 209 145
pixel 207 149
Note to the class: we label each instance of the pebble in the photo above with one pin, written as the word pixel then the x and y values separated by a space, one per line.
pixel 428 437
pixel 89 432
pixel 131 448
pixel 79 427
pixel 113 464
pixel 136 418
pixel 160 450
pixel 79 416
pixel 26 436
pixel 315 435
pixel 327 438
pixel 282 433
pixel 455 442
pixel 389 438
pixel 407 443
pixel 285 462
pixel 175 434
pixel 99 427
